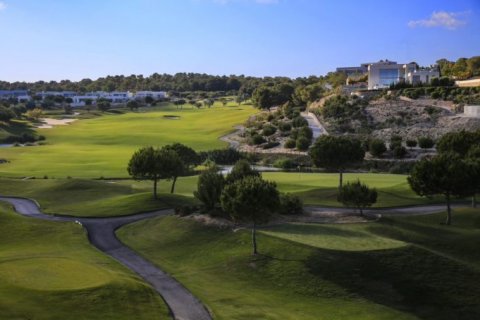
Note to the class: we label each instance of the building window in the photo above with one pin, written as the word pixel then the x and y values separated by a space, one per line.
pixel 388 77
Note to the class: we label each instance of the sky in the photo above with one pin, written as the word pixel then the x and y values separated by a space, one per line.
pixel 67 39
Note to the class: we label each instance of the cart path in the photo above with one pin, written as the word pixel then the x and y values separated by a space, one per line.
pixel 101 233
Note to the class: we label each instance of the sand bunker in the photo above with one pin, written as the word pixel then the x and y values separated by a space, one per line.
pixel 49 123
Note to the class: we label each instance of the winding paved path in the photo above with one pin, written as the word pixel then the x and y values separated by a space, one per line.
pixel 101 233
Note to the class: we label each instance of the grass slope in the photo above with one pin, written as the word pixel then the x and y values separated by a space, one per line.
pixel 98 198
pixel 400 268
pixel 102 146
pixel 48 270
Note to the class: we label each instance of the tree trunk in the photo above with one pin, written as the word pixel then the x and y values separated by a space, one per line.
pixel 474 201
pixel 155 180
pixel 254 239
pixel 173 185
pixel 449 211
pixel 340 184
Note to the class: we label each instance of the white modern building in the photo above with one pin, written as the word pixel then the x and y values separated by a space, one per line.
pixel 21 95
pixel 114 97
pixel 157 95
pixel 65 94
pixel 422 76
pixel 383 74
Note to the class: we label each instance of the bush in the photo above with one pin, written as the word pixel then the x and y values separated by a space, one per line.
pixel 377 147
pixel 399 152
pixel 184 211
pixel 284 126
pixel 290 144
pixel 395 144
pixel 299 122
pixel 425 142
pixel 268 130
pixel 303 144
pixel 285 163
pixel 290 204
pixel 411 143
pixel 256 140
pixel 271 145
pixel 305 132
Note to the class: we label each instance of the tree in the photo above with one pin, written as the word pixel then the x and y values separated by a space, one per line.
pixel 180 103
pixel 88 104
pixel 103 105
pixel 154 164
pixel 239 99
pixel 133 105
pixel 241 170
pixel 209 188
pixel 263 98
pixel 425 142
pixel 377 148
pixel 6 114
pixel 358 195
pixel 189 158
pixel 336 153
pixel 445 174
pixel 209 102
pixel 34 114
pixel 302 143
pixel 252 200
pixel 149 100
pixel 458 142
pixel 473 159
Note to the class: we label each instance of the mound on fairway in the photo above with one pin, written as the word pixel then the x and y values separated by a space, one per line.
pixel 102 146
pixel 51 274
pixel 398 268
pixel 48 270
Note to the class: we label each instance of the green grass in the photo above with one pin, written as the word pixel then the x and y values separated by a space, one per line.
pixel 95 198
pixel 99 198
pixel 48 270
pixel 102 146
pixel 398 268
pixel 321 188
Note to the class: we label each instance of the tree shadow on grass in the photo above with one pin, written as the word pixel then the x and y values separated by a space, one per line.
pixel 408 279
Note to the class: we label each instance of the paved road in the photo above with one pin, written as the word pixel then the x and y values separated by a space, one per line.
pixel 101 233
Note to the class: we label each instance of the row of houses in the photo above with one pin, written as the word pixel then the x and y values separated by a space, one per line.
pixel 384 73
pixel 79 100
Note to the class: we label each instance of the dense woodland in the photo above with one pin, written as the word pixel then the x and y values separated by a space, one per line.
pixel 180 82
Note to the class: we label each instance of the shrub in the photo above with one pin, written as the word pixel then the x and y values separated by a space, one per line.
pixel 271 145
pixel 256 139
pixel 290 204
pixel 425 142
pixel 290 144
pixel 395 144
pixel 377 147
pixel 303 144
pixel 305 132
pixel 268 130
pixel 221 156
pixel 184 211
pixel 284 126
pixel 399 152
pixel 284 163
pixel 411 143
pixel 299 122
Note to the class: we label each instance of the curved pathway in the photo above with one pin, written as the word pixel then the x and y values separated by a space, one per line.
pixel 101 233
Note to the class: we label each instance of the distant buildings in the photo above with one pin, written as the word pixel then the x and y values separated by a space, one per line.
pixel 384 73
pixel 14 94
pixel 157 95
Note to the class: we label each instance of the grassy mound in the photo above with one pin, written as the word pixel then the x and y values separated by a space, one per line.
pixel 48 270
pixel 399 268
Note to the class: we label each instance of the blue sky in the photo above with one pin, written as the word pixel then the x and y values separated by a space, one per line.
pixel 60 39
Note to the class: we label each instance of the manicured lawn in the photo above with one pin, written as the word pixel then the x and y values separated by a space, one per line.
pixel 321 188
pixel 398 268
pixel 102 146
pixel 48 270
pixel 97 198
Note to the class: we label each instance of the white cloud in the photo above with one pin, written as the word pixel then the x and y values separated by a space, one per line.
pixel 448 20
pixel 3 6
